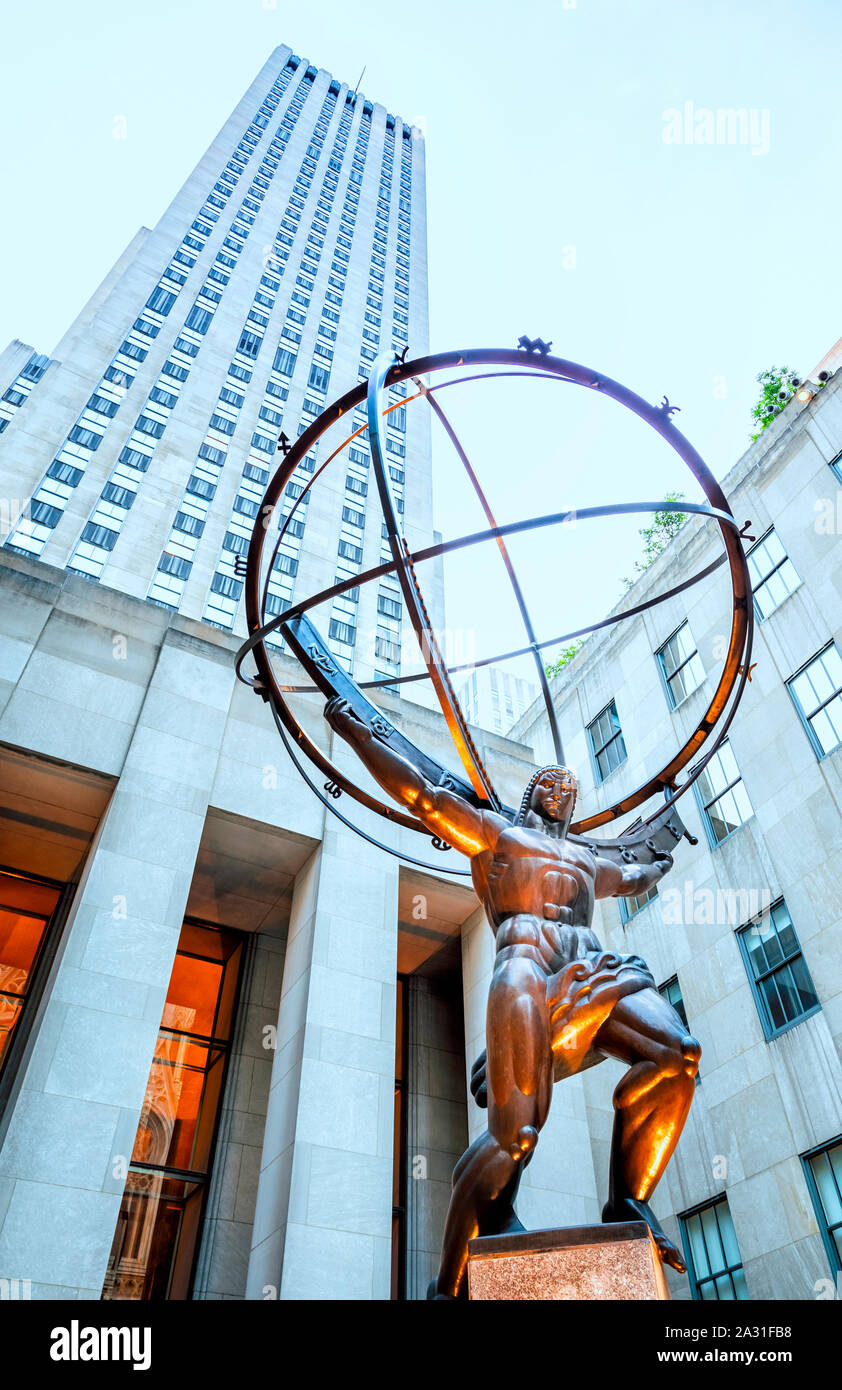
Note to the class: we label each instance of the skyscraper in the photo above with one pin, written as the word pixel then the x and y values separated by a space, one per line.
pixel 171 893
pixel 294 252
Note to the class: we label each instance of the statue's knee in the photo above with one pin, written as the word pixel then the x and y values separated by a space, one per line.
pixel 691 1051
pixel 527 1138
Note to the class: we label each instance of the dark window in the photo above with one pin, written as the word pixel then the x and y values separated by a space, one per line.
pixel 680 665
pixel 101 536
pixel 319 377
pixel 120 496
pixel 160 1216
pixel 135 459
pixel 64 473
pixel 246 505
pixel 226 585
pixel 200 487
pixel 160 300
pixel 44 514
pixel 103 406
pixel 190 525
pixel 198 319
pixel 823 1170
pixel 783 990
pixel 238 544
pixel 249 344
pixel 88 438
pixel 629 907
pixel 147 425
pixel 714 1262
pixel 284 362
pixel 223 424
pixel 26 906
pixel 175 564
pixel 606 739
pixel 342 632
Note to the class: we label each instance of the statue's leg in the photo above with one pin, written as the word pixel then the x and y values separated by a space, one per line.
pixel 519 1080
pixel 651 1104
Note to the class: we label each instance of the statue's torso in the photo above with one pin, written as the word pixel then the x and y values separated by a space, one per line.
pixel 529 875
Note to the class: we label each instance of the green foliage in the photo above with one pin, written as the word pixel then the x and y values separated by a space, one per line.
pixel 657 536
pixel 565 655
pixel 777 388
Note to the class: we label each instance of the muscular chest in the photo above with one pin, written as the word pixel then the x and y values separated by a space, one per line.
pixel 531 873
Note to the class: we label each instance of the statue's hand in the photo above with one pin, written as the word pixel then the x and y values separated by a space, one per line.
pixel 479 1090
pixel 342 717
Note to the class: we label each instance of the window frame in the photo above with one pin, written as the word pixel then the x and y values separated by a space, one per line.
pixel 757 544
pixel 665 679
pixel 204 1181
pixel 834 1258
pixel 770 1031
pixel 649 897
pixel 704 812
pixel 820 753
pixel 594 752
pixel 683 1217
pixel 11 1068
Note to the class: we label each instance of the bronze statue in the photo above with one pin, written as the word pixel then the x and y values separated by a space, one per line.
pixel 557 1002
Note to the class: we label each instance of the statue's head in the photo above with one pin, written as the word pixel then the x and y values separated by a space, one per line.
pixel 551 795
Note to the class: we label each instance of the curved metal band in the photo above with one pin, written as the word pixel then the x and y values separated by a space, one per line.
pixel 396 854
pixel 736 662
pixel 416 608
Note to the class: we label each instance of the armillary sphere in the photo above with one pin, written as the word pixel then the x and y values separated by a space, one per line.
pixel 328 677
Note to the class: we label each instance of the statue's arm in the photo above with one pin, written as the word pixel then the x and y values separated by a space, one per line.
pixel 444 813
pixel 628 880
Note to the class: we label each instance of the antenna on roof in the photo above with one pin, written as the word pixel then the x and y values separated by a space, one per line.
pixel 359 79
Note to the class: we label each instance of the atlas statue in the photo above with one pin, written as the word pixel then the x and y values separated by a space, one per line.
pixel 557 1003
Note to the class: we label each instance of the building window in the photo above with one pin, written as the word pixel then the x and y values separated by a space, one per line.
pixel 778 974
pixel 629 907
pixel 773 575
pixel 26 907
pixel 606 739
pixel 156 1239
pixel 823 1171
pixel 722 797
pixel 816 691
pixel 714 1263
pixel 680 666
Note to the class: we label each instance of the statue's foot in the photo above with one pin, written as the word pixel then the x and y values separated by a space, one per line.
pixel 629 1209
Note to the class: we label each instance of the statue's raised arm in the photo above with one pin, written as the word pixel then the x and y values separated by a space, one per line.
pixel 444 812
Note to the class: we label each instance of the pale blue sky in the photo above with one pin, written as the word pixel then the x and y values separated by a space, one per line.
pixel 691 268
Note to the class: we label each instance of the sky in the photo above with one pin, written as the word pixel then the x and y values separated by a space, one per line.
pixel 571 195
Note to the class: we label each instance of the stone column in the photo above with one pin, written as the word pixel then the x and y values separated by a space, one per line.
pixel 436 1127
pixel 64 1158
pixel 324 1204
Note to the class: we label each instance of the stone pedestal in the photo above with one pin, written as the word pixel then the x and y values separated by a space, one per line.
pixel 618 1261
